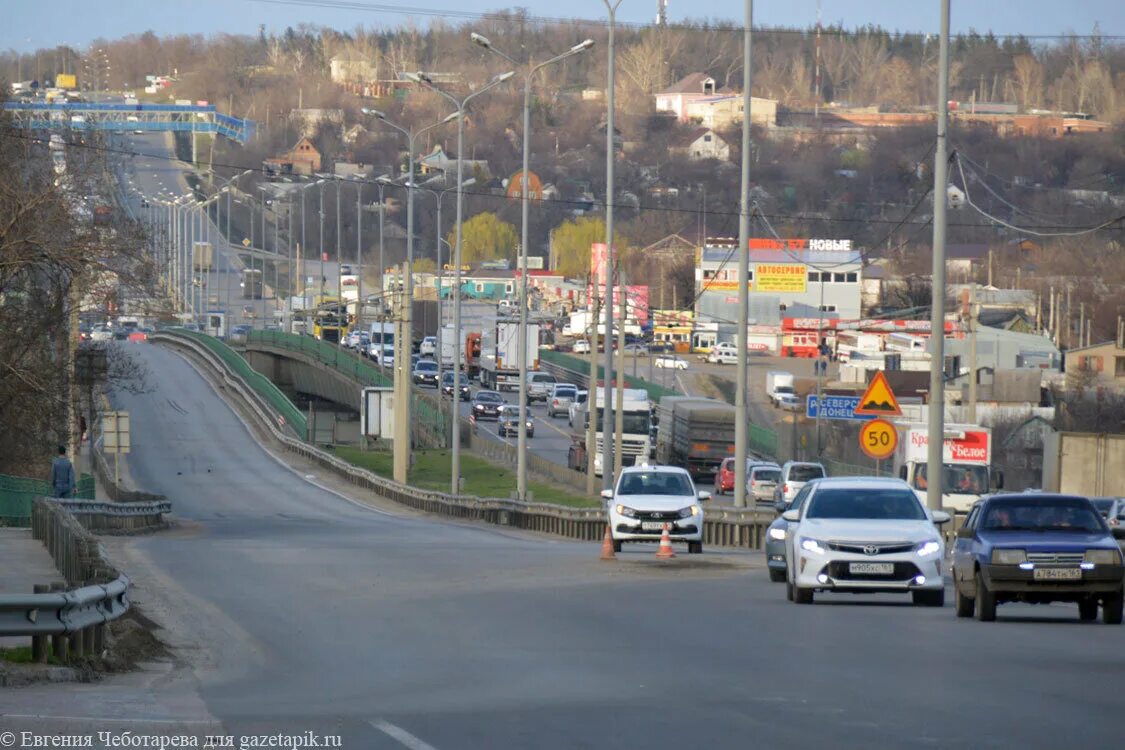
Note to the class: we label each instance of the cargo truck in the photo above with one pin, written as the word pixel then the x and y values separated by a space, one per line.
pixel 452 346
pixel 1084 463
pixel 966 472
pixel 499 358
pixel 696 434
pixel 202 256
pixel 472 354
pixel 636 435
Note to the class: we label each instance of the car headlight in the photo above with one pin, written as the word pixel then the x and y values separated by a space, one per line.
pixel 1009 556
pixel 478 407
pixel 812 545
pixel 925 549
pixel 777 534
pixel 688 512
pixel 1103 557
pixel 625 510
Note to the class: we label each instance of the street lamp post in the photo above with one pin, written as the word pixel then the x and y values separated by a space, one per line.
pixel 402 391
pixel 529 75
pixel 607 455
pixel 455 407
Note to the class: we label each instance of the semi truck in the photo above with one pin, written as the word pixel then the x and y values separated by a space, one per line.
pixel 472 354
pixel 966 472
pixel 1084 463
pixel 499 358
pixel 636 440
pixel 452 345
pixel 696 434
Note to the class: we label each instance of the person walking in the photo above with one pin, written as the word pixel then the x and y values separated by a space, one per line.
pixel 62 474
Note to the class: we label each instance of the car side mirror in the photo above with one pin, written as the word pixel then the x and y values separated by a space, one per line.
pixel 964 533
pixel 780 506
pixel 607 494
pixel 703 496
pixel 940 517
pixel 902 473
pixel 792 515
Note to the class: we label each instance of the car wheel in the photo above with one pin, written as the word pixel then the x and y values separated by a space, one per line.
pixel 929 598
pixel 616 545
pixel 788 588
pixel 1088 610
pixel 963 604
pixel 802 595
pixel 986 601
pixel 777 576
pixel 1112 608
pixel 695 548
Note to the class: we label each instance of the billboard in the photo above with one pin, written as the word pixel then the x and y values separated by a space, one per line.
pixel 780 277
pixel 597 263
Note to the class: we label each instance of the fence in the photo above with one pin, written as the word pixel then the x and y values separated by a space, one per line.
pixel 577 371
pixel 429 416
pixel 265 388
pixel 17 494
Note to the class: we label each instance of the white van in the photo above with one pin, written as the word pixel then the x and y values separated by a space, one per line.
pixel 724 353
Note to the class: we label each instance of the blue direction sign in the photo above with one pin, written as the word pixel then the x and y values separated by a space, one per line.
pixel 835 407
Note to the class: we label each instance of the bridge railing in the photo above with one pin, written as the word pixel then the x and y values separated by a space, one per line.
pixel 17 495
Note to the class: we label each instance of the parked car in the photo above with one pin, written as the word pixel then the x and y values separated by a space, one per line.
pixel 447 386
pixel 426 373
pixel 670 361
pixel 794 474
pixel 864 535
pixel 778 532
pixel 509 422
pixel 647 499
pixel 637 349
pixel 577 405
pixel 1037 548
pixel 486 405
pixel 723 353
pixel 561 397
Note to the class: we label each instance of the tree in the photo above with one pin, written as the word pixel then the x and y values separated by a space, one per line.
pixel 571 243
pixel 486 237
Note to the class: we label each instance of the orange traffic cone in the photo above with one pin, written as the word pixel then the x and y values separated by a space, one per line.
pixel 665 551
pixel 607 545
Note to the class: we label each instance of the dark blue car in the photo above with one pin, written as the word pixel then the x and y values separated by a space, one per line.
pixel 1037 548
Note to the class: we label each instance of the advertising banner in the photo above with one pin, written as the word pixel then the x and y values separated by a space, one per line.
pixel 780 277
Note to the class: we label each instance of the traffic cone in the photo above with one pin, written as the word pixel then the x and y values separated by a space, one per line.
pixel 665 551
pixel 607 545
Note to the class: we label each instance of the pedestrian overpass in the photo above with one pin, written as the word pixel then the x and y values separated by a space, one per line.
pixel 148 118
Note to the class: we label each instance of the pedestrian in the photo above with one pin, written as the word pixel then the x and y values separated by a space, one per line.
pixel 62 474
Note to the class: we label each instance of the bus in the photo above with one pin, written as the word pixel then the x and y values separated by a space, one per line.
pixel 251 283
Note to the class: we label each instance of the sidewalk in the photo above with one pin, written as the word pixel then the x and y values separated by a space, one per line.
pixel 24 562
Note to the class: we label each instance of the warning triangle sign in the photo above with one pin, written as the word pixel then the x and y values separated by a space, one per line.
pixel 879 400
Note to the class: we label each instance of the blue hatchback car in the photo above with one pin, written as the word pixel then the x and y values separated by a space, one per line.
pixel 1037 548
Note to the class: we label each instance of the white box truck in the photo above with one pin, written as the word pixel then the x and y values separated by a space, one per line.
pixel 778 383
pixel 452 346
pixel 499 355
pixel 966 472
pixel 636 436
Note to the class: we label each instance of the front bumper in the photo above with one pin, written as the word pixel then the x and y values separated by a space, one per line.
pixel 627 529
pixel 775 553
pixel 831 572
pixel 1012 579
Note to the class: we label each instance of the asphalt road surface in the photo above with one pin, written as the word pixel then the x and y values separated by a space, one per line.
pixel 307 612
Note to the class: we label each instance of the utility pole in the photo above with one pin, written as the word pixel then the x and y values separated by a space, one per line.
pixel 607 455
pixel 972 319
pixel 742 376
pixel 592 393
pixel 934 455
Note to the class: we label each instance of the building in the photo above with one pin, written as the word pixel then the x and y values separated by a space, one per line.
pixel 811 276
pixel 1105 362
pixel 696 97
pixel 439 162
pixel 348 68
pixel 302 159
pixel 698 144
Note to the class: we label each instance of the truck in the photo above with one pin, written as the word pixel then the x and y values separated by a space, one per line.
pixel 636 441
pixel 1084 463
pixel 696 434
pixel 499 358
pixel 778 383
pixel 472 354
pixel 966 463
pixel 425 319
pixel 452 345
pixel 202 256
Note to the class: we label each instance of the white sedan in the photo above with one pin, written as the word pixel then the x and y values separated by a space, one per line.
pixel 670 362
pixel 864 535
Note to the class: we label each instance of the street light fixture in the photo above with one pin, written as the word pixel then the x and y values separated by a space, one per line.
pixel 529 75
pixel 402 388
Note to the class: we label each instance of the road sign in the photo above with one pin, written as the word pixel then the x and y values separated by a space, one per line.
pixel 835 407
pixel 879 400
pixel 115 432
pixel 878 439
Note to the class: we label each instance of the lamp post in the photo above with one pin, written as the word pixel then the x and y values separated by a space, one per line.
pixel 528 76
pixel 304 244
pixel 402 388
pixel 742 413
pixel 462 107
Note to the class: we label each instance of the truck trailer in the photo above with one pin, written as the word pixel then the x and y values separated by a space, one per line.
pixel 499 358
pixel 696 434
pixel 1084 463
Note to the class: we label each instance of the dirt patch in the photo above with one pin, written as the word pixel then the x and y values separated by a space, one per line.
pixel 130 642
pixel 714 386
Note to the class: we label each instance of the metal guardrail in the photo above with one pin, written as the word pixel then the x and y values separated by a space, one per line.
pixel 64 612
pixel 122 510
pixel 740 527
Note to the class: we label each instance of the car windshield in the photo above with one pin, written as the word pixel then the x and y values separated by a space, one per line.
pixel 961 479
pixel 1074 514
pixel 783 389
pixel 766 475
pixel 581 397
pixel 1103 504
pixel 489 396
pixel 866 503
pixel 655 483
pixel 805 473
pixel 426 367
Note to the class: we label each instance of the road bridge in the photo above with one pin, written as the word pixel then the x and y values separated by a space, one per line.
pixel 175 118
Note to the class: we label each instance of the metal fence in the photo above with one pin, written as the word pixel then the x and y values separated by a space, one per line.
pixel 18 493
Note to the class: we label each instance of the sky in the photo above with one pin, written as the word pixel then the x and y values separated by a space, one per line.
pixel 28 26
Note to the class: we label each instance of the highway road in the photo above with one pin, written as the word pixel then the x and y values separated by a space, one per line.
pixel 309 612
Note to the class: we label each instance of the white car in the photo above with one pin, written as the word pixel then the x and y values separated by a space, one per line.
pixel 577 406
pixel 428 346
pixel 864 535
pixel 648 498
pixel 670 361
pixel 582 346
pixel 788 402
pixel 723 354
pixel 101 334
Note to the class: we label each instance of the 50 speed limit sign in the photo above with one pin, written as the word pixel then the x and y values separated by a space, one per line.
pixel 878 439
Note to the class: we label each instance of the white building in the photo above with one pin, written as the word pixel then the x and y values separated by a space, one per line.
pixel 701 143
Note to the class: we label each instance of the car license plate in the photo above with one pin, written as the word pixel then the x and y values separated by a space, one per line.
pixel 653 525
pixel 1058 574
pixel 876 569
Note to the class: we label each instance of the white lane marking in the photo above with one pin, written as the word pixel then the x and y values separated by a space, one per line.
pixel 398 733
pixel 119 720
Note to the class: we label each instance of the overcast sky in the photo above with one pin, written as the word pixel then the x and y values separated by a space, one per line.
pixel 29 25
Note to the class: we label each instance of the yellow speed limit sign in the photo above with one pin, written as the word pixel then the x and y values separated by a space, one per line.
pixel 878 438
